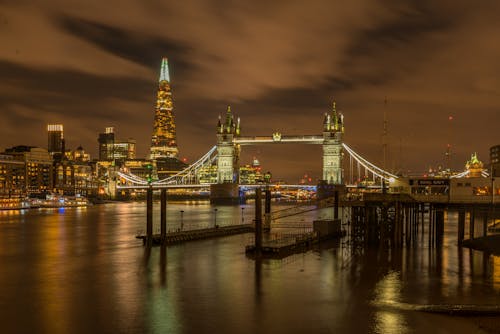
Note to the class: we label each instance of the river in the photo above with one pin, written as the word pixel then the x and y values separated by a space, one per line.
pixel 81 270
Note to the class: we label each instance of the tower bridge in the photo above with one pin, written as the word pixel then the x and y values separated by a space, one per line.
pixel 223 160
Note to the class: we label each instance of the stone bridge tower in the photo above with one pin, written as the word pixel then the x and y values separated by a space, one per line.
pixel 226 189
pixel 333 130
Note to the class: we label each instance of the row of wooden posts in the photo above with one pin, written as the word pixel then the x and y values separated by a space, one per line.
pixel 396 223
pixel 163 215
pixel 149 216
pixel 389 223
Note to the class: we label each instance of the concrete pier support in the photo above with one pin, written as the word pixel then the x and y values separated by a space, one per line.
pixel 225 193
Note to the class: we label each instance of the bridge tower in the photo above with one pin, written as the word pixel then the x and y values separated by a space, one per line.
pixel 333 130
pixel 226 189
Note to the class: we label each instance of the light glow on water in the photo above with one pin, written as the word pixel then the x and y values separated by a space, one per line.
pixel 86 269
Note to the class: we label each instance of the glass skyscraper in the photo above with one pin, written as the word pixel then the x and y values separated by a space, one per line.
pixel 164 141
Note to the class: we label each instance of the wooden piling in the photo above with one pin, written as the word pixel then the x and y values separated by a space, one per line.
pixel 485 223
pixel 267 210
pixel 439 226
pixel 431 226
pixel 149 216
pixel 163 215
pixel 461 226
pixel 407 227
pixel 422 220
pixel 258 221
pixel 471 223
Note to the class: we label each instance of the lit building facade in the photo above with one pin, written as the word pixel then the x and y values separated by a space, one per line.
pixel 207 174
pixel 106 141
pixel 38 168
pixel 55 136
pixel 79 155
pixel 163 140
pixel 113 149
pixel 124 149
pixel 251 174
pixel 12 174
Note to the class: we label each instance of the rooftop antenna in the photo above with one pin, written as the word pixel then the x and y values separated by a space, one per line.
pixel 384 145
pixel 448 145
pixel 384 134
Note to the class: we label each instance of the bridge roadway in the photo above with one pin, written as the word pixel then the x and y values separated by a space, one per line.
pixel 314 139
pixel 207 185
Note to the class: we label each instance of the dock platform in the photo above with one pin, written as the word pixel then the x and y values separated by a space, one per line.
pixel 191 235
pixel 285 244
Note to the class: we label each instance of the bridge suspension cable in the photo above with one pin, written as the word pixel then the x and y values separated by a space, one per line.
pixel 376 171
pixel 132 178
pixel 190 173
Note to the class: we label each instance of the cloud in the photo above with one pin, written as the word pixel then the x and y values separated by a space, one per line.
pixel 278 63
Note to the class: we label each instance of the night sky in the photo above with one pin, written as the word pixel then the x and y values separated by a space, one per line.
pixel 279 64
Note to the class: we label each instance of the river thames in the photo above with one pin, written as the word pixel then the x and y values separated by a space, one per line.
pixel 81 270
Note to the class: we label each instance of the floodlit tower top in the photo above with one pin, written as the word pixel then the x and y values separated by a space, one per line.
pixel 333 121
pixel 164 74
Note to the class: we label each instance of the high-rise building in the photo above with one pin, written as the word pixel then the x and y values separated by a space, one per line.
pixel 163 140
pixel 106 141
pixel 113 149
pixel 55 139
pixel 124 149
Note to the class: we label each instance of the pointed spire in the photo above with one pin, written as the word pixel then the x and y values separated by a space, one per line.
pixel 238 127
pixel 229 120
pixel 164 74
pixel 335 120
pixel 219 126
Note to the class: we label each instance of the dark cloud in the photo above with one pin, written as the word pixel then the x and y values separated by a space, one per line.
pixel 279 64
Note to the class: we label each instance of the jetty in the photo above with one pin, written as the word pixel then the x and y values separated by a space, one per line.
pixel 199 234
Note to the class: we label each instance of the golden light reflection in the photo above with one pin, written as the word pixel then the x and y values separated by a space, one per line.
pixel 387 295
pixel 389 322
pixel 496 273
pixel 51 273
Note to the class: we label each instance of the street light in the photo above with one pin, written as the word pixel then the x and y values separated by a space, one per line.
pixel 182 220
pixel 242 217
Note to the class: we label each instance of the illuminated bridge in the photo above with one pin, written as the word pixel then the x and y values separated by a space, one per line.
pixel 342 166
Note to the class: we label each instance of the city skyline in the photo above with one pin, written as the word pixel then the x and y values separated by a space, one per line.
pixel 96 68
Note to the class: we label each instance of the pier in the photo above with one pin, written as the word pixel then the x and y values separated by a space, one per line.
pixel 192 235
pixel 281 245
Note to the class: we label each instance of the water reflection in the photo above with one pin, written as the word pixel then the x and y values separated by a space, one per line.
pixel 83 271
pixel 388 292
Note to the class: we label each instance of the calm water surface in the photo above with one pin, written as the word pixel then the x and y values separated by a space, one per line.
pixel 81 270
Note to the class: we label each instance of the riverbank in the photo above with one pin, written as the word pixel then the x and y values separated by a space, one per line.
pixel 489 244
